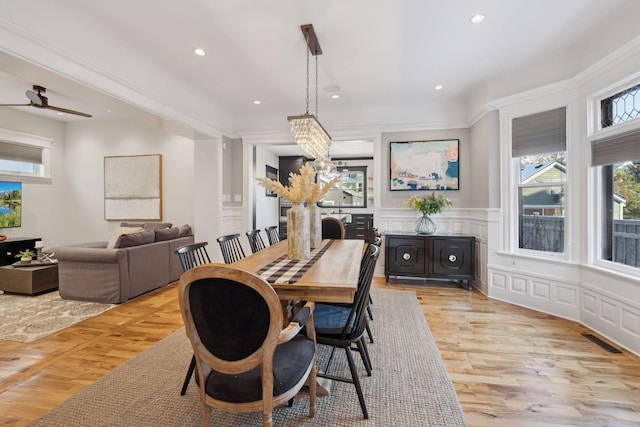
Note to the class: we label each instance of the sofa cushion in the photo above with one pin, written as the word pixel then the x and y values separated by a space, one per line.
pixel 162 234
pixel 118 232
pixel 128 240
pixel 185 230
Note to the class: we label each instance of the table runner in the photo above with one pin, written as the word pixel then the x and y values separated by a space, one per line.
pixel 284 270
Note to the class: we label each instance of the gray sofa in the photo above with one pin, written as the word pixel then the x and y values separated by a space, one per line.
pixel 146 261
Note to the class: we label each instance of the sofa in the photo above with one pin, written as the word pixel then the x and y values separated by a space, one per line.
pixel 139 258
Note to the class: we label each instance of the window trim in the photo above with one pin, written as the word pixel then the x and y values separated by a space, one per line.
pixel 19 138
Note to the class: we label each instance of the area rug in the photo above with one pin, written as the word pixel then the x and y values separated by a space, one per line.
pixel 409 385
pixel 28 318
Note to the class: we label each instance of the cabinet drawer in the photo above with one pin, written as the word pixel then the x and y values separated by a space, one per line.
pixel 452 257
pixel 405 256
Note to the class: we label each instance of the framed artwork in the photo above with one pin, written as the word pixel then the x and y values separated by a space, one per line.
pixel 272 174
pixel 133 187
pixel 424 165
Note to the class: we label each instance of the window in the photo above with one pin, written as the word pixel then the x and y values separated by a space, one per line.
pixel 620 107
pixel 539 157
pixel 619 159
pixel 24 155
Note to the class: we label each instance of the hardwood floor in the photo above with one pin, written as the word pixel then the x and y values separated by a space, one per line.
pixel 510 366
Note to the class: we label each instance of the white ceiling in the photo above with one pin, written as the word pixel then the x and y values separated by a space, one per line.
pixel 386 56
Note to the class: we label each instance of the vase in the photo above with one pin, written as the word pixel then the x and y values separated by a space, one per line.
pixel 315 225
pixel 425 225
pixel 298 241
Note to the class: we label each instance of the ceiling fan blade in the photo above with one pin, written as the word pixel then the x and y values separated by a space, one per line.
pixel 64 110
pixel 14 105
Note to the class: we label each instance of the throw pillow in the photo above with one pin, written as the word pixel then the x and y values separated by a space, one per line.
pixel 162 234
pixel 135 239
pixel 156 225
pixel 118 232
pixel 185 230
pixel 131 224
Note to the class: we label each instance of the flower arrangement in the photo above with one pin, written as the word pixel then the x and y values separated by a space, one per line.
pixel 429 204
pixel 301 186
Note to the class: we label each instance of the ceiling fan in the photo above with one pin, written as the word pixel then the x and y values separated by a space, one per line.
pixel 38 100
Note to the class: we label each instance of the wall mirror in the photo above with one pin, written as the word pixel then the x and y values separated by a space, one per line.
pixel 350 193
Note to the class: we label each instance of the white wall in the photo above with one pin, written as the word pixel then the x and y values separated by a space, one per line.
pixel 42 210
pixel 266 209
pixel 86 145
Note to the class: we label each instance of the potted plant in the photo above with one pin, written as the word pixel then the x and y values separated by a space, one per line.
pixel 427 206
pixel 25 256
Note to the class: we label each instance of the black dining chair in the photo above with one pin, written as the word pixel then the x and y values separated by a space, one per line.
pixel 255 241
pixel 192 256
pixel 231 248
pixel 246 360
pixel 272 234
pixel 332 228
pixel 342 326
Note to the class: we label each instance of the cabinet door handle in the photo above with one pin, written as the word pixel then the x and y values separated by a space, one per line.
pixel 406 256
pixel 452 258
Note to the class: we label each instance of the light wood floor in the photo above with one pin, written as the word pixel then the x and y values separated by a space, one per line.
pixel 510 366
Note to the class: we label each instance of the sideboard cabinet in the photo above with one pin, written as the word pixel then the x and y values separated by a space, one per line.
pixel 360 227
pixel 444 256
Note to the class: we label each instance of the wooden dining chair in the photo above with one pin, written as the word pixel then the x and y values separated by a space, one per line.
pixel 332 228
pixel 341 327
pixel 246 361
pixel 192 256
pixel 272 234
pixel 231 248
pixel 255 241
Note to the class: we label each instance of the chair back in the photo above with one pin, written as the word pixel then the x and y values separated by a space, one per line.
pixel 231 316
pixel 255 241
pixel 356 323
pixel 193 255
pixel 231 248
pixel 332 228
pixel 272 234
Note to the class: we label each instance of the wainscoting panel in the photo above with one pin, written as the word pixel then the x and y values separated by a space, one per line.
pixel 612 317
pixel 541 290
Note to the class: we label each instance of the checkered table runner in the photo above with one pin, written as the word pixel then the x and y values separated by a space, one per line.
pixel 284 270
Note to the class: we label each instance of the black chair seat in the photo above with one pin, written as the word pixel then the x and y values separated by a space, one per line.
pixel 289 362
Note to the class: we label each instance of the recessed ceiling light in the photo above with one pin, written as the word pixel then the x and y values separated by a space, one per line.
pixel 199 52
pixel 60 114
pixel 256 102
pixel 335 96
pixel 438 87
pixel 478 17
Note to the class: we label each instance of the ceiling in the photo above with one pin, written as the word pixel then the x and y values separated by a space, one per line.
pixel 382 58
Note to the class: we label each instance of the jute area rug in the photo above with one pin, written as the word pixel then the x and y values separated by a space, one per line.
pixel 27 318
pixel 409 385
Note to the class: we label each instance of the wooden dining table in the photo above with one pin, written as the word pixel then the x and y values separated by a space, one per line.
pixel 332 278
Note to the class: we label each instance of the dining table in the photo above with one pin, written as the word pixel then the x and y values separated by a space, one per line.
pixel 329 275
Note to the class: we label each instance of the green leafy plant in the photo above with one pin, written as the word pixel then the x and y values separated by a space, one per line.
pixel 27 253
pixel 429 204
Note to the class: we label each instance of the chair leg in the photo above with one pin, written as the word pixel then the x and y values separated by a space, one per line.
pixel 192 367
pixel 370 313
pixel 356 382
pixel 368 328
pixel 326 368
pixel 364 352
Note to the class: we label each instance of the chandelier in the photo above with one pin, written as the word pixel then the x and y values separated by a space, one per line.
pixel 306 129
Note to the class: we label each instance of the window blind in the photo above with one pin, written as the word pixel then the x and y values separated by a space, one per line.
pixel 616 149
pixel 540 133
pixel 20 153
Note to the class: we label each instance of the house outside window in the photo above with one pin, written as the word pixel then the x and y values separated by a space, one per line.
pixel 618 157
pixel 539 155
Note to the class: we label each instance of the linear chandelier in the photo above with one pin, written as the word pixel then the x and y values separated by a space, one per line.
pixel 306 129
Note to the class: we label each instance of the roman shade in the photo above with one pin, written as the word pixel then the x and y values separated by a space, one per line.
pixel 20 153
pixel 616 149
pixel 540 133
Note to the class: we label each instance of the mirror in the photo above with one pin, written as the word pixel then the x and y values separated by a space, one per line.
pixel 350 193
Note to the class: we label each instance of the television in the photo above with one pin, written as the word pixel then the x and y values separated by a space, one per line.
pixel 424 165
pixel 10 204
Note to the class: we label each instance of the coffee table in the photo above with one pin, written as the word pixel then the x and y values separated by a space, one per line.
pixel 33 280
